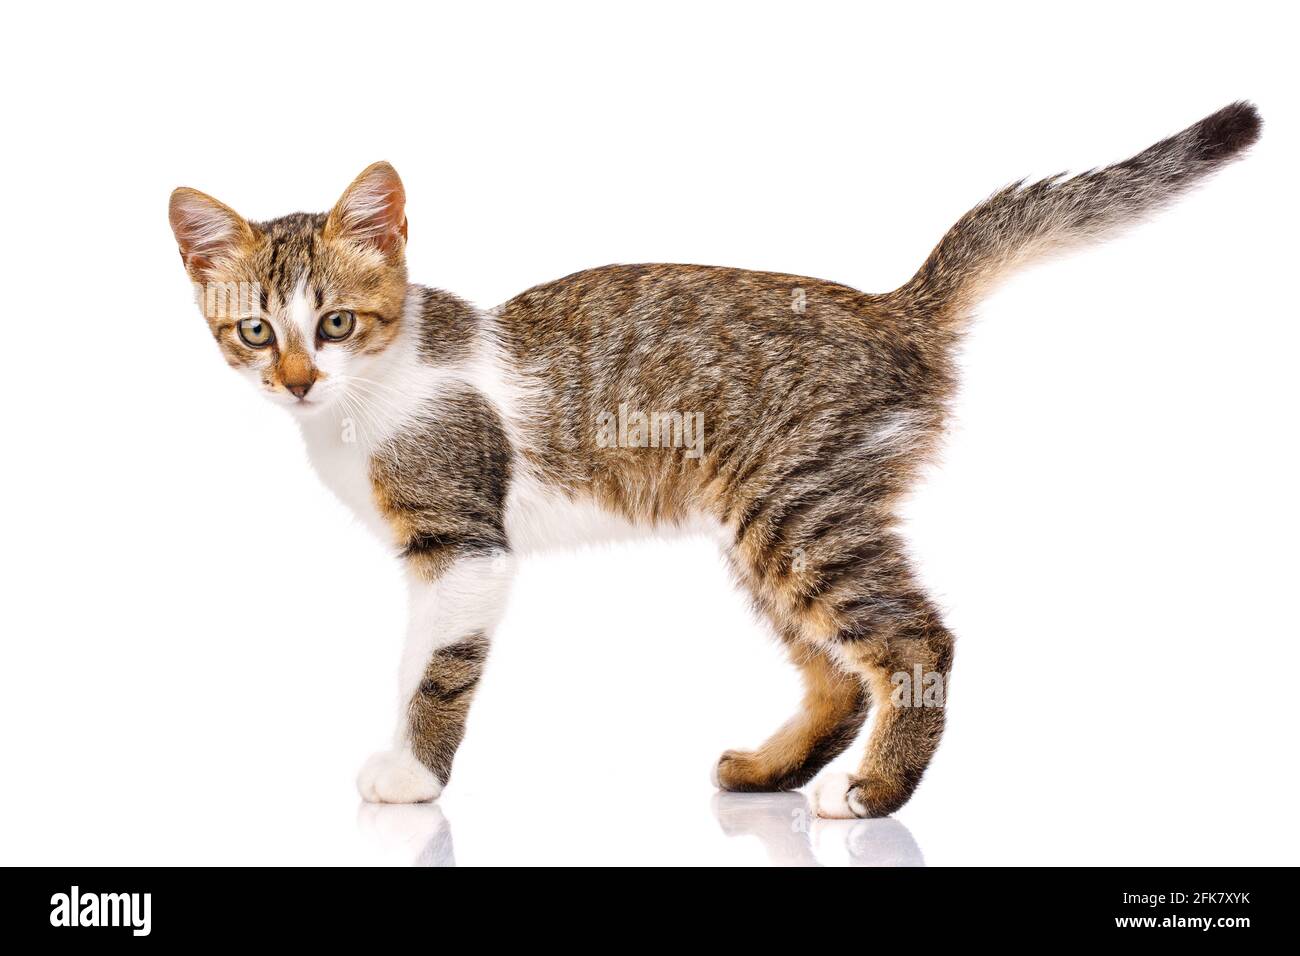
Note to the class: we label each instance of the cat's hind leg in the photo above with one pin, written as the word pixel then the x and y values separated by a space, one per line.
pixel 833 710
pixel 833 572
pixel 899 647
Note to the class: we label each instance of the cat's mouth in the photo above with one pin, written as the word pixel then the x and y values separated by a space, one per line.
pixel 305 406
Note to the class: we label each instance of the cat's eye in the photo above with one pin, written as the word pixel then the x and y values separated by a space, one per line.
pixel 337 326
pixel 256 333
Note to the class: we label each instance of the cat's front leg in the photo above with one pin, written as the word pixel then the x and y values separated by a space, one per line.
pixel 452 616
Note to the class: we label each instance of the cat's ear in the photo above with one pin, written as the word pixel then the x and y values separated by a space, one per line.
pixel 206 230
pixel 371 211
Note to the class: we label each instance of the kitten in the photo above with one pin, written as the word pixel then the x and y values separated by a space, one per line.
pixel 785 414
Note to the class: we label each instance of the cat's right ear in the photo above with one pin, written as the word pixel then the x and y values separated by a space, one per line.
pixel 206 230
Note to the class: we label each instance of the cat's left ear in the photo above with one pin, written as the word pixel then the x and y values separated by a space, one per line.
pixel 371 211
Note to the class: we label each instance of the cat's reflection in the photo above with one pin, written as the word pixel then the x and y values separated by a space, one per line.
pixel 784 824
pixel 794 836
pixel 418 829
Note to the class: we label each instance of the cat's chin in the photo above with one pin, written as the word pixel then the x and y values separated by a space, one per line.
pixel 308 409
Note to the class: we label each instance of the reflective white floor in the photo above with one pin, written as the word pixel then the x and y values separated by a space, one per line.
pixel 781 824
pixel 594 733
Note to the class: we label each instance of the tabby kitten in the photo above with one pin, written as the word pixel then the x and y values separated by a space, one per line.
pixel 785 414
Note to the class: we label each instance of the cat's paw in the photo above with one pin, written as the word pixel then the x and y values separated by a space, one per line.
pixel 723 776
pixel 395 776
pixel 836 798
pixel 740 771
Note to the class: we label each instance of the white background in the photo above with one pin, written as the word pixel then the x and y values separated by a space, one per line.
pixel 199 647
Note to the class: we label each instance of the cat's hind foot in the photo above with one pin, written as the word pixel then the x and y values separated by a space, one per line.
pixel 837 796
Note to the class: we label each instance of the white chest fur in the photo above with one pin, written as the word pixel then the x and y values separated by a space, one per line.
pixel 344 468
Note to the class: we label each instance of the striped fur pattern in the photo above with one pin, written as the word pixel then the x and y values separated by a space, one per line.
pixel 784 414
pixel 437 710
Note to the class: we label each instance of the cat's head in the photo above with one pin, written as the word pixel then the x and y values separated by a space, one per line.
pixel 303 305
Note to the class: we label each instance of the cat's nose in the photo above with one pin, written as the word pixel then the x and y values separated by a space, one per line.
pixel 297 374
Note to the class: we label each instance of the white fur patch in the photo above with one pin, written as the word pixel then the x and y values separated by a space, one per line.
pixel 467 598
pixel 301 314
pixel 831 797
pixel 899 431
pixel 511 393
pixel 345 470
pixel 540 518
pixel 396 776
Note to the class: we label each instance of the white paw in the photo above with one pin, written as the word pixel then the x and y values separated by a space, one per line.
pixel 831 798
pixel 395 776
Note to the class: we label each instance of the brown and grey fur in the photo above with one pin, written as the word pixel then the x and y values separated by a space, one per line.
pixel 821 402
pixel 438 710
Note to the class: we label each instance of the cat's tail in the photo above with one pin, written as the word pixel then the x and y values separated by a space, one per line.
pixel 1023 222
